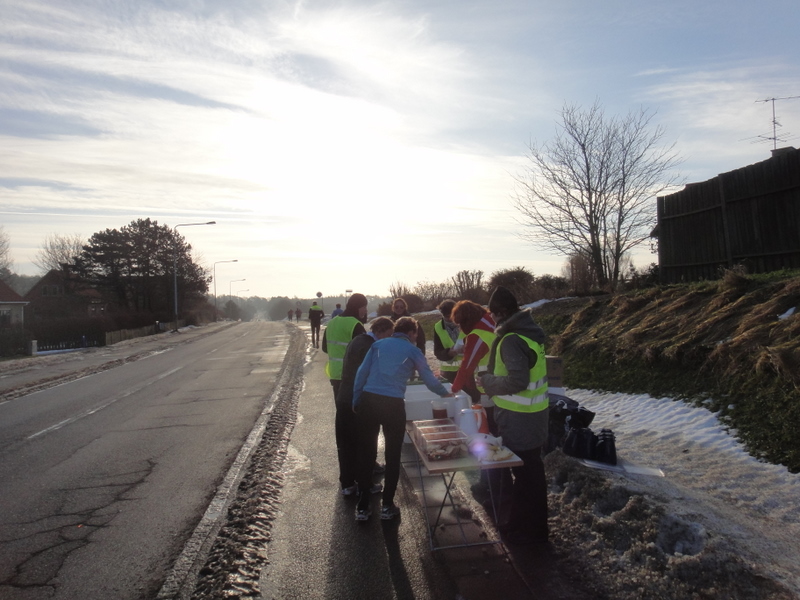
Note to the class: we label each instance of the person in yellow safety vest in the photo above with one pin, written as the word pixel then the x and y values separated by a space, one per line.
pixel 448 341
pixel 338 333
pixel 517 382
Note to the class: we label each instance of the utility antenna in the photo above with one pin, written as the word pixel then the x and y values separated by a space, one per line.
pixel 775 123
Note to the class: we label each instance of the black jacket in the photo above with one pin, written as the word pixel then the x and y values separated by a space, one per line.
pixel 353 357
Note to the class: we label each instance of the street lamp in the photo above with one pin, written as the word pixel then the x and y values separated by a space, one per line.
pixel 215 284
pixel 230 291
pixel 175 262
pixel 240 291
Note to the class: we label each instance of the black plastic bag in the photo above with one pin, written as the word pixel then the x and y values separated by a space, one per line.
pixel 606 450
pixel 581 443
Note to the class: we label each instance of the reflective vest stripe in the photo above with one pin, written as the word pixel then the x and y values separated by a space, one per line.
pixel 534 398
pixel 488 338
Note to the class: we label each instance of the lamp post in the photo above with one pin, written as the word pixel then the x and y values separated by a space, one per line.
pixel 230 290
pixel 240 291
pixel 175 262
pixel 215 284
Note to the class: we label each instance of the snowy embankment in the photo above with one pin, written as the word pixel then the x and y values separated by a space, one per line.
pixel 710 479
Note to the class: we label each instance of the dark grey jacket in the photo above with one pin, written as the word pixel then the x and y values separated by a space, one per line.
pixel 520 431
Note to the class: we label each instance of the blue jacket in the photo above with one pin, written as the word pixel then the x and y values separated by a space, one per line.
pixel 388 366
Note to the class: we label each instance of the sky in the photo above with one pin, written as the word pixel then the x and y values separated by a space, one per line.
pixel 356 145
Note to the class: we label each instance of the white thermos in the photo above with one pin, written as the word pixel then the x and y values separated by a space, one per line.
pixel 468 421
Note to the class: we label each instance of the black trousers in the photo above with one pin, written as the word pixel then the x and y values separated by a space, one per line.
pixel 529 495
pixel 378 412
pixel 347 448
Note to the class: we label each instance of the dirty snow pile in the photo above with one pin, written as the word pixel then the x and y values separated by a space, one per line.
pixel 717 504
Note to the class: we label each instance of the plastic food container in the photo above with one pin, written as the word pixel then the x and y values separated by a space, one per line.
pixel 444 445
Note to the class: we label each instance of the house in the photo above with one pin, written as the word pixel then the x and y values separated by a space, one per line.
pixel 61 294
pixel 12 307
pixel 750 217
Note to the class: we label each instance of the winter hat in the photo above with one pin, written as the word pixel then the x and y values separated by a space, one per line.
pixel 503 301
pixel 355 302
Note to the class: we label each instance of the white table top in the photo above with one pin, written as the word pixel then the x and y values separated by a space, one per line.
pixel 465 463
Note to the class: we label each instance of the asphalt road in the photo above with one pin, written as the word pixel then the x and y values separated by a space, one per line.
pixel 317 549
pixel 106 476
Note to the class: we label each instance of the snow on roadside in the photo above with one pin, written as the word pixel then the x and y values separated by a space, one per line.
pixel 709 476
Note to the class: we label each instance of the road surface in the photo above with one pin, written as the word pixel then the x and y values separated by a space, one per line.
pixel 105 477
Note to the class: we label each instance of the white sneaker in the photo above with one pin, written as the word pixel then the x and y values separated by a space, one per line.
pixel 389 512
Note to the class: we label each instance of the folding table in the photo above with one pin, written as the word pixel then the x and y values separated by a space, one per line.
pixel 448 468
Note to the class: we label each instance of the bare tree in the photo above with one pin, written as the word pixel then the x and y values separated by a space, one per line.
pixel 57 250
pixel 5 253
pixel 465 282
pixel 399 290
pixel 433 293
pixel 578 272
pixel 590 191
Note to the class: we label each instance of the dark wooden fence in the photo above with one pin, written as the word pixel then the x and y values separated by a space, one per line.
pixel 749 216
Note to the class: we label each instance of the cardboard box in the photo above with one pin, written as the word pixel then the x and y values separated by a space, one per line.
pixel 555 374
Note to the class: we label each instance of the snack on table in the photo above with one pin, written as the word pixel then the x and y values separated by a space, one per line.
pixel 444 445
pixel 488 448
pixel 498 453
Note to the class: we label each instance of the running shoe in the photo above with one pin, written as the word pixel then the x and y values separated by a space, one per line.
pixel 362 514
pixel 389 512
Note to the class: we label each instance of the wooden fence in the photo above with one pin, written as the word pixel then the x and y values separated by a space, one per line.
pixel 114 337
pixel 749 216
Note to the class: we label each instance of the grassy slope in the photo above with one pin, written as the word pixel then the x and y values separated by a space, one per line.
pixel 718 343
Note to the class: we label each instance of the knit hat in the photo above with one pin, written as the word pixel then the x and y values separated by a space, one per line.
pixel 355 302
pixel 503 301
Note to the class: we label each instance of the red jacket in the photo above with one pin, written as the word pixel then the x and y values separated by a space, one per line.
pixel 474 350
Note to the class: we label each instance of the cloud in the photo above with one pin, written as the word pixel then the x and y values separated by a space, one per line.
pixel 41 124
pixel 30 182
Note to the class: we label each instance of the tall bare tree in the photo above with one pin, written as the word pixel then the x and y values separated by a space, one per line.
pixel 591 190
pixel 578 272
pixel 5 253
pixel 465 282
pixel 57 250
pixel 399 290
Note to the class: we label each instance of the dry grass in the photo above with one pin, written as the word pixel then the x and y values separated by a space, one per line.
pixel 720 340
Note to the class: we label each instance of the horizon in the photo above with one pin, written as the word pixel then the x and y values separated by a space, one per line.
pixel 358 145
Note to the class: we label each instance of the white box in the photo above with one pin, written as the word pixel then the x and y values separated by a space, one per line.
pixel 418 402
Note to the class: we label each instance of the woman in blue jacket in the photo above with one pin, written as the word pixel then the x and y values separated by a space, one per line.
pixel 378 400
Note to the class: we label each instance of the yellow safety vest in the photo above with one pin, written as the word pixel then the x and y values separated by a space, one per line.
pixel 447 343
pixel 338 334
pixel 534 398
pixel 488 339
